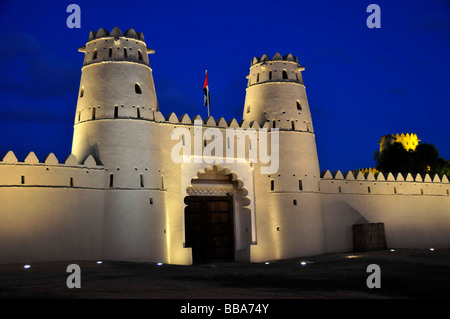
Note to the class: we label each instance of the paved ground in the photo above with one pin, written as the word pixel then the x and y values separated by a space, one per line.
pixel 410 274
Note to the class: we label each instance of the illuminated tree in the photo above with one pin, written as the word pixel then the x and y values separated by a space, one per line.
pixel 425 159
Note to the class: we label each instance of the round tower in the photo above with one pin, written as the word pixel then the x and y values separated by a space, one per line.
pixel 114 123
pixel 276 93
pixel 116 100
pixel 289 207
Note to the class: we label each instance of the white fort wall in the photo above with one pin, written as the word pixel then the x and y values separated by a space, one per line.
pixel 121 195
pixel 271 225
pixel 50 211
pixel 415 210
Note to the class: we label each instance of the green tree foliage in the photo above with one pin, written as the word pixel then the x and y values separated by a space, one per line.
pixel 425 159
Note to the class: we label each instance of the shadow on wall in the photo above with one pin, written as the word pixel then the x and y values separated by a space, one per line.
pixel 338 220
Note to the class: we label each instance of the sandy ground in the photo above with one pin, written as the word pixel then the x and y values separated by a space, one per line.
pixel 410 274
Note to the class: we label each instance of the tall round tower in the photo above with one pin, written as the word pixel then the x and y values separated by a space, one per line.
pixel 288 205
pixel 114 123
pixel 116 87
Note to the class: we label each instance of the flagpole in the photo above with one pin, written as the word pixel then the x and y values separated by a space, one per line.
pixel 206 91
pixel 208 94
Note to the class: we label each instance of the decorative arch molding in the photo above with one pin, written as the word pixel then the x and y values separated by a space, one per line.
pixel 238 183
pixel 241 177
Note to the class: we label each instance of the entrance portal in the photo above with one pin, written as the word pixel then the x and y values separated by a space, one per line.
pixel 209 228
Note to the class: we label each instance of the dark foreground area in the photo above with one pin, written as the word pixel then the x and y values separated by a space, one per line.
pixel 404 274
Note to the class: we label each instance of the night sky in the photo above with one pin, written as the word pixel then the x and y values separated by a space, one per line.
pixel 361 83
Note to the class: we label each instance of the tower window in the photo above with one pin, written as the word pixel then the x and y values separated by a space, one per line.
pixel 141 177
pixel 94 55
pixel 272 184
pixel 22 179
pixel 137 88
pixel 368 189
pixel 116 111
pixel 257 78
pixel 71 182
pixel 82 91
pixel 270 75
pixel 299 106
pixel 300 185
pixel 285 76
pixel 151 200
pixel 274 124
pixel 293 125
pixel 140 55
pixel 93 113
pixel 125 53
pixel 110 52
pixel 111 180
pixel 248 108
pixel 138 112
pixel 79 116
pixel 162 182
pixel 340 189
pixel 294 202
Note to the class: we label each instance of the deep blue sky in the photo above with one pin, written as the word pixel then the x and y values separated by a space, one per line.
pixel 361 83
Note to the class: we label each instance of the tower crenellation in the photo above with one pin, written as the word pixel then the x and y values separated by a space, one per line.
pixel 276 93
pixel 103 46
pixel 277 69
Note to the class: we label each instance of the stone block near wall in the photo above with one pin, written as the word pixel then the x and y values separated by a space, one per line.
pixel 370 236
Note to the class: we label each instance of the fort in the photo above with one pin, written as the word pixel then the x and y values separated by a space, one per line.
pixel 120 195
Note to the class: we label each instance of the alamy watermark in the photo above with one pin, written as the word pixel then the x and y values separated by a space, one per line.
pixel 74 19
pixel 213 152
pixel 74 279
pixel 374 279
pixel 374 19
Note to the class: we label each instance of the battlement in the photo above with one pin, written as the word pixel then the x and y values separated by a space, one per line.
pixel 116 33
pixel 277 57
pixel 50 173
pixel 221 122
pixel 384 184
pixel 103 46
pixel 278 69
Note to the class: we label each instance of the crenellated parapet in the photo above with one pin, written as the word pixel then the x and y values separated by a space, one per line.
pixel 70 173
pixel 103 46
pixel 278 69
pixel 221 122
pixel 209 121
pixel 384 184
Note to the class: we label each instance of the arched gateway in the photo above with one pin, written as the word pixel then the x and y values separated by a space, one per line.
pixel 216 217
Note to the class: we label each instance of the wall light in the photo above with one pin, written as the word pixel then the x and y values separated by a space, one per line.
pixel 26 266
pixel 159 264
pixel 99 262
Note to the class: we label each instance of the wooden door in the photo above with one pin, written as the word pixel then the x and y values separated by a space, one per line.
pixel 209 228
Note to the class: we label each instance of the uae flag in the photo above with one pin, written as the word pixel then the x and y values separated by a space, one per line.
pixel 206 89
